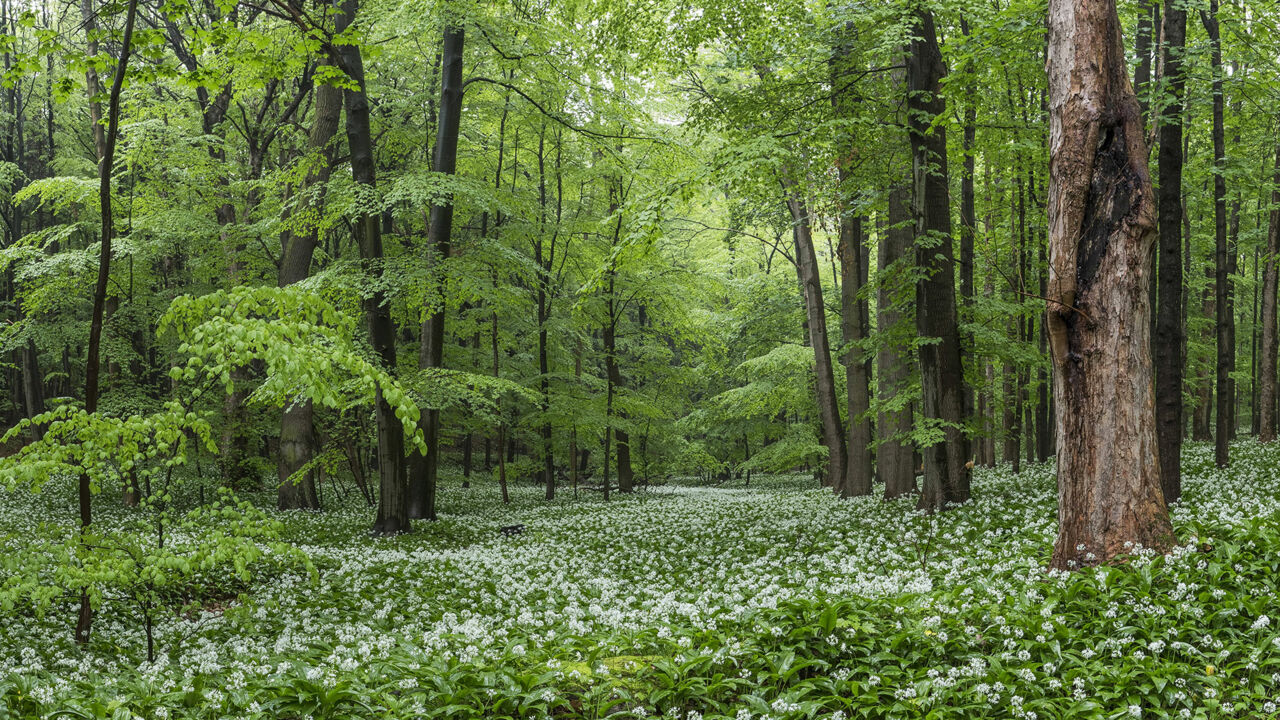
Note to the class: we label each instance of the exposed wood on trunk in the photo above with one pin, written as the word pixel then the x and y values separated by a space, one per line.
pixel 1101 229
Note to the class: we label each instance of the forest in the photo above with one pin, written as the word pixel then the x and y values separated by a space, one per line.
pixel 695 359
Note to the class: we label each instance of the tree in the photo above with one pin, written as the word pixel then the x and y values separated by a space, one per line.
pixel 424 470
pixel 946 455
pixel 1168 346
pixel 393 510
pixel 1225 320
pixel 1101 227
pixel 1267 365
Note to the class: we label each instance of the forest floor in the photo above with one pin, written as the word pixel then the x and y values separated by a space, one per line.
pixel 770 601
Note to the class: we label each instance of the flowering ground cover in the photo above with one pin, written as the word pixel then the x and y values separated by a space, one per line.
pixel 770 601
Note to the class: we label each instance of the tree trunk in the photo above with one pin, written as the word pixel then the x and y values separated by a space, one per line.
pixel 1225 318
pixel 1267 366
pixel 816 315
pixel 854 311
pixel 297 432
pixel 425 470
pixel 946 463
pixel 106 145
pixel 894 455
pixel 393 510
pixel 1102 226
pixel 1167 348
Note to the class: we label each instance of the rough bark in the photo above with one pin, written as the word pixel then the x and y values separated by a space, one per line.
pixel 1101 229
pixel 946 463
pixel 1267 365
pixel 1167 349
pixel 894 462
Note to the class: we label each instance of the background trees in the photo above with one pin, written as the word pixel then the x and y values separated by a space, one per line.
pixel 596 244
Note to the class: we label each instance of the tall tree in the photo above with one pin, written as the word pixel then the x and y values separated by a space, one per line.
pixel 298 246
pixel 1267 365
pixel 894 454
pixel 1225 318
pixel 946 462
pixel 1101 227
pixel 105 141
pixel 816 318
pixel 393 510
pixel 1169 326
pixel 424 470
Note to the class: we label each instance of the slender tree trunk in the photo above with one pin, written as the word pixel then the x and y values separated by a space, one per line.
pixel 1222 282
pixel 297 431
pixel 1143 47
pixel 946 463
pixel 424 470
pixel 1267 367
pixel 811 284
pixel 854 311
pixel 858 469
pixel 1102 226
pixel 393 510
pixel 894 455
pixel 106 143
pixel 968 215
pixel 1169 329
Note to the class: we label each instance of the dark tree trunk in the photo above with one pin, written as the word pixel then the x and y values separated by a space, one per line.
pixel 393 510
pixel 106 143
pixel 1267 366
pixel 854 310
pixel 1168 345
pixel 816 315
pixel 297 432
pixel 1222 282
pixel 894 455
pixel 946 463
pixel 1102 225
pixel 424 470
pixel 968 216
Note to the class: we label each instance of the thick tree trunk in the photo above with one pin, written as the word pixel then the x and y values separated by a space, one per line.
pixel 393 510
pixel 946 463
pixel 1168 345
pixel 1267 366
pixel 297 432
pixel 424 471
pixel 1101 229
pixel 894 454
pixel 1225 320
pixel 815 312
